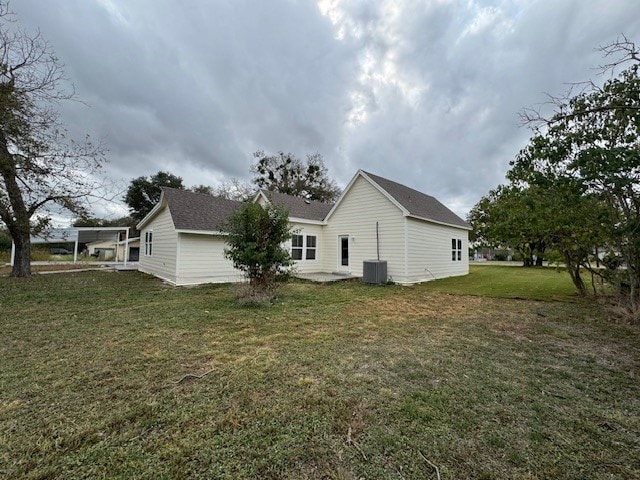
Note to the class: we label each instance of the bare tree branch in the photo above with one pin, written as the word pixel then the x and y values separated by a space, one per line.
pixel 39 166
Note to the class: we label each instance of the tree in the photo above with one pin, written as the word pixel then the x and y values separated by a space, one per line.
pixel 144 192
pixel 234 189
pixel 591 145
pixel 206 189
pixel 40 169
pixel 255 245
pixel 507 216
pixel 287 174
pixel 89 221
pixel 5 240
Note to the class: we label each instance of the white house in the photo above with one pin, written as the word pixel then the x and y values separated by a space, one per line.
pixel 374 218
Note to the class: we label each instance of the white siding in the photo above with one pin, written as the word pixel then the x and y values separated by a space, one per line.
pixel 356 216
pixel 309 266
pixel 162 262
pixel 201 260
pixel 262 201
pixel 429 251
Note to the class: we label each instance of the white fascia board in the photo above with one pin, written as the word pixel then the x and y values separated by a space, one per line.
pixel 385 193
pixel 106 229
pixel 260 194
pixel 304 220
pixel 201 232
pixel 438 223
pixel 151 214
pixel 131 240
pixel 344 192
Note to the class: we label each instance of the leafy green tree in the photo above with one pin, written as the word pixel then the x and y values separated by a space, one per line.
pixel 508 217
pixel 558 220
pixel 144 192
pixel 593 144
pixel 41 171
pixel 287 174
pixel 256 235
pixel 88 221
pixel 576 186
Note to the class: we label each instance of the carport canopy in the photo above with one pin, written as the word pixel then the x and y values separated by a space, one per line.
pixel 78 235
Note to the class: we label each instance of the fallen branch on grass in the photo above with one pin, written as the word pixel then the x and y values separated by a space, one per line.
pixel 557 395
pixel 433 465
pixel 351 441
pixel 191 375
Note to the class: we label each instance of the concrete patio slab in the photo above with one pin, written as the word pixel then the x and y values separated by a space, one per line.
pixel 324 277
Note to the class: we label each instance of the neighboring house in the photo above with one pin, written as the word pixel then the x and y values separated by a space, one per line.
pixel 114 250
pixel 418 236
pixel 103 249
pixel 134 249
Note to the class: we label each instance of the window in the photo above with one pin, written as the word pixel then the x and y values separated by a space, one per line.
pixel 148 243
pixel 311 247
pixel 296 247
pixel 456 249
pixel 303 247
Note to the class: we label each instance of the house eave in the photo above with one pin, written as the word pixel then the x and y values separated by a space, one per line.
pixel 201 232
pixel 147 218
pixel 305 220
pixel 424 219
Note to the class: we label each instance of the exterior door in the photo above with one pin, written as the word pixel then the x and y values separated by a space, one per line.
pixel 343 253
pixel 134 254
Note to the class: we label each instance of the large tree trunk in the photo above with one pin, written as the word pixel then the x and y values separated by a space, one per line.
pixel 22 258
pixel 17 217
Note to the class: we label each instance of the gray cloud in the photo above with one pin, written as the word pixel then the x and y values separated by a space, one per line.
pixel 425 93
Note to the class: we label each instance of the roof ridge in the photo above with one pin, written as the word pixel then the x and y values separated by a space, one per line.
pixel 191 192
pixel 399 184
pixel 268 192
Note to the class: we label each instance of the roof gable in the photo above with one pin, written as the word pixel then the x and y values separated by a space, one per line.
pixel 194 211
pixel 296 206
pixel 410 202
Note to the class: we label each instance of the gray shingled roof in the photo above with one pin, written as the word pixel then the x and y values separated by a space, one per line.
pixel 417 203
pixel 299 207
pixel 198 211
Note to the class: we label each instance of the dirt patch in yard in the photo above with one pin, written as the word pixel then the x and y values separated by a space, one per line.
pixel 420 306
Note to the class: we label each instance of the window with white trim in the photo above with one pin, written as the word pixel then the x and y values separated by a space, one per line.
pixel 456 249
pixel 148 243
pixel 297 247
pixel 311 248
pixel 304 247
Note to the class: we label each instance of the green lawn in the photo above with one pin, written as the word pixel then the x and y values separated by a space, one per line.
pixel 340 381
pixel 546 283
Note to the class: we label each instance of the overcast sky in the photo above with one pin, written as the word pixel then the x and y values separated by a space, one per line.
pixel 425 93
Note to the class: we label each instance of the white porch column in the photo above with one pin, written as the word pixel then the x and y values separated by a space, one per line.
pixel 126 247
